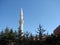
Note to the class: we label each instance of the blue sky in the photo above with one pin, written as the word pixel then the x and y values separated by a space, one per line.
pixel 45 12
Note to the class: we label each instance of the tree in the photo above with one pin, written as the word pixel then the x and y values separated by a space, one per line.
pixel 20 34
pixel 6 30
pixel 40 31
pixel 12 35
pixel 27 35
pixel 1 34
pixel 31 37
pixel 4 37
pixel 20 37
pixel 6 34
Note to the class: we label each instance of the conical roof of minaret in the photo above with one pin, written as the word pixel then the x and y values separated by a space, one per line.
pixel 21 12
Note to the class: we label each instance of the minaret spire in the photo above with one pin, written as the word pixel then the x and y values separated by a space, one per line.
pixel 21 22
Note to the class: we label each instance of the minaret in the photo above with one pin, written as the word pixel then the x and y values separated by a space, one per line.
pixel 21 22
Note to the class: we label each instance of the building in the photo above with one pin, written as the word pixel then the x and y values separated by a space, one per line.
pixel 57 31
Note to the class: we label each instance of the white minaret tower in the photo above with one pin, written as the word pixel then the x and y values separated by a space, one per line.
pixel 21 22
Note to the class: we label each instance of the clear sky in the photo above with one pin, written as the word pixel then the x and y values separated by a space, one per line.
pixel 45 12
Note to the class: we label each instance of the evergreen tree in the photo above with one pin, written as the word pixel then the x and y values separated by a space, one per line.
pixel 31 37
pixel 40 31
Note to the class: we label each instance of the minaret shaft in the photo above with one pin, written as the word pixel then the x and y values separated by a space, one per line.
pixel 21 20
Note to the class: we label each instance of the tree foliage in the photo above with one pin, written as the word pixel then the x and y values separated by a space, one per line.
pixel 40 31
pixel 11 37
